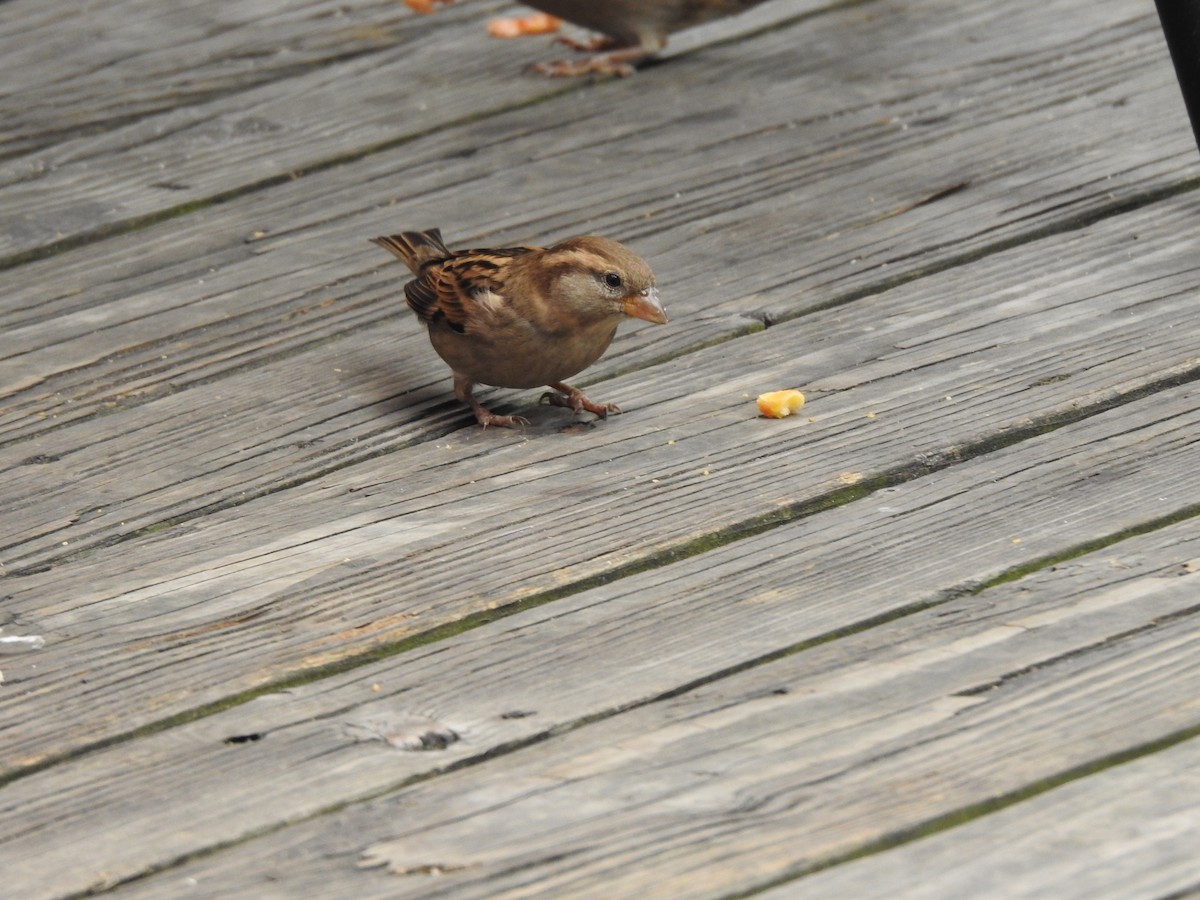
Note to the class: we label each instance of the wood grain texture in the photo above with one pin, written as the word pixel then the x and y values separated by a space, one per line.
pixel 687 651
pixel 266 134
pixel 217 112
pixel 762 191
pixel 358 558
pixel 792 764
pixel 1125 832
pixel 621 646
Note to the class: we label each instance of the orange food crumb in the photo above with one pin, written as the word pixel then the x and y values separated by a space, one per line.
pixel 538 23
pixel 777 404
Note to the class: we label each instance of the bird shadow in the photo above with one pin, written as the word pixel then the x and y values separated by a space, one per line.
pixel 414 397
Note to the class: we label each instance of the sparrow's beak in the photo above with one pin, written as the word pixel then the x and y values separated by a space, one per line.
pixel 645 306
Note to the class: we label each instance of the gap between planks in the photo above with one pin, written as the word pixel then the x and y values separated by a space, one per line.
pixel 1127 831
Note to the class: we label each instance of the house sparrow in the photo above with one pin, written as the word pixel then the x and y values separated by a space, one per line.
pixel 521 317
pixel 630 30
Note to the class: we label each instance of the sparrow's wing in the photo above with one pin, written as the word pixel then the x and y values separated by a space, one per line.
pixel 464 292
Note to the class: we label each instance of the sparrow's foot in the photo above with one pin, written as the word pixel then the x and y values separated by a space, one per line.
pixel 618 62
pixel 573 398
pixel 485 417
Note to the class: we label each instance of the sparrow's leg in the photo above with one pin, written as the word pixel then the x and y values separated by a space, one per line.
pixel 462 390
pixel 618 62
pixel 572 398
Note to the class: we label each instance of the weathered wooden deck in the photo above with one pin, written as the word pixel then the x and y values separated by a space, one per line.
pixel 310 632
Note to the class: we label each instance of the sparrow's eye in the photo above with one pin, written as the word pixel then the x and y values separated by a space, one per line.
pixel 613 280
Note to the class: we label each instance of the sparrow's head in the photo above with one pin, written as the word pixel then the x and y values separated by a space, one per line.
pixel 601 278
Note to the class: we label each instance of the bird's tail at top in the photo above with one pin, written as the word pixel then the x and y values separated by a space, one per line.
pixel 415 248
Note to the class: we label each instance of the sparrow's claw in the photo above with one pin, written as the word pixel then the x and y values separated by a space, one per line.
pixel 617 61
pixel 573 398
pixel 485 418
pixel 603 64
pixel 463 388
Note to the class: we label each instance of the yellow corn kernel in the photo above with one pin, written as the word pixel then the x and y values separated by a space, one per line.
pixel 777 404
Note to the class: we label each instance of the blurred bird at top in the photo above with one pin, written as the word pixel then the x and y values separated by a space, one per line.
pixel 630 30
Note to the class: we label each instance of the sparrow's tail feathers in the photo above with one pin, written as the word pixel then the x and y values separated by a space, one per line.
pixel 415 248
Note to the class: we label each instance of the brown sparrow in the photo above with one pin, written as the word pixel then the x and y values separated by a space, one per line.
pixel 632 29
pixel 521 317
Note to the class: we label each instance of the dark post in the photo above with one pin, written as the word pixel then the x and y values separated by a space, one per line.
pixel 1181 24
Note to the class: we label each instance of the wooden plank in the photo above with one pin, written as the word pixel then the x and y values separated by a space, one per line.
pixel 161 311
pixel 1128 831
pixel 199 542
pixel 97 184
pixel 745 783
pixel 99 67
pixel 79 362
pixel 357 559
pixel 603 654
pixel 388 77
pixel 133 373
